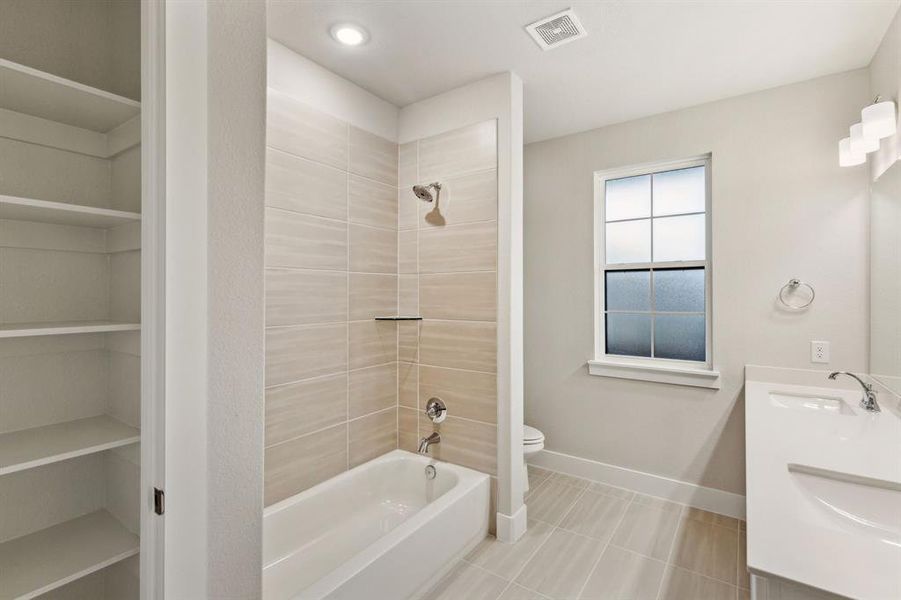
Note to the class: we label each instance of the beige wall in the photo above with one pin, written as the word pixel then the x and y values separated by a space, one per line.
pixel 782 207
pixel 447 257
pixel 331 266
pixel 95 42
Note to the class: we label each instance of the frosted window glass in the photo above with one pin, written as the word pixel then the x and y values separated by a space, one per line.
pixel 679 238
pixel 677 192
pixel 681 337
pixel 679 290
pixel 629 335
pixel 628 290
pixel 628 242
pixel 628 198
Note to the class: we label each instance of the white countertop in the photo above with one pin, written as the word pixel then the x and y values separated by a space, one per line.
pixel 834 521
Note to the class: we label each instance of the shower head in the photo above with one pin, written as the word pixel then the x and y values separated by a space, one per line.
pixel 423 192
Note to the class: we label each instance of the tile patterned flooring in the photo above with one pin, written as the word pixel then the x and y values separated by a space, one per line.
pixel 589 541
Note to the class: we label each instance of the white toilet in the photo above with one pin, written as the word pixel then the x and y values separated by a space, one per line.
pixel 532 442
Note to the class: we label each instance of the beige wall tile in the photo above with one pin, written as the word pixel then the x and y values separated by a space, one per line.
pixel 466 296
pixel 468 443
pixel 408 341
pixel 409 207
pixel 297 297
pixel 297 409
pixel 465 199
pixel 296 240
pixel 46 285
pixel 294 127
pixel 372 343
pixel 470 247
pixel 458 344
pixel 372 295
pixel 408 252
pixel 407 429
pixel 408 295
pixel 373 250
pixel 463 150
pixel 744 577
pixel 305 186
pixel 562 565
pixel 303 462
pixel 295 353
pixel 371 436
pixel 372 389
pixel 372 156
pixel 468 394
pixel 372 203
pixel 408 163
pixel 408 384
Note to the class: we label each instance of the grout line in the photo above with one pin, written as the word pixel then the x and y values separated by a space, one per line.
pixel 346 372
pixel 669 555
pixel 594 567
pixel 332 219
pixel 346 170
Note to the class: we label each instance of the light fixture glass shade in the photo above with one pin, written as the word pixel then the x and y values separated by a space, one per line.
pixel 846 158
pixel 879 120
pixel 861 144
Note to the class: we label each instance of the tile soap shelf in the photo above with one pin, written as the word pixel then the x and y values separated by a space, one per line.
pixel 399 318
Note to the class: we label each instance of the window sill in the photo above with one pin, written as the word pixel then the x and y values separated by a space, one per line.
pixel 672 374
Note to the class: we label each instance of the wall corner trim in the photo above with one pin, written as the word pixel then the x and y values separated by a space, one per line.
pixel 512 527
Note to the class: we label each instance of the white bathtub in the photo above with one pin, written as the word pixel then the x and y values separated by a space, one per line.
pixel 379 531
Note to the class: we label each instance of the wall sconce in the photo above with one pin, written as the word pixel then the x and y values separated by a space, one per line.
pixel 878 121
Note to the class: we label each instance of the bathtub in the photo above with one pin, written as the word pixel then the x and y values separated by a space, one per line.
pixel 381 531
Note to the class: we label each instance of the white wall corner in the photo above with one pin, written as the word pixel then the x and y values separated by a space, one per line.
pixel 511 528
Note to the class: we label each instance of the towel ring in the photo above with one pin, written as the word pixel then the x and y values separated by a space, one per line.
pixel 793 285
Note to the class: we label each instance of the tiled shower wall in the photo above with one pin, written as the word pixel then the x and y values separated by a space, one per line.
pixel 331 266
pixel 447 257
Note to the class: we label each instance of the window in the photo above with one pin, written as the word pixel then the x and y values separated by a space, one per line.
pixel 653 273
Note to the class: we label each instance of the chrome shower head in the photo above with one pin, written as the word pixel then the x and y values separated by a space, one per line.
pixel 423 192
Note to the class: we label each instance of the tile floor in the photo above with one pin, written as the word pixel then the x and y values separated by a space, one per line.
pixel 589 541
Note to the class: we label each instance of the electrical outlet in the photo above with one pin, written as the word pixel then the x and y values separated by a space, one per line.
pixel 819 352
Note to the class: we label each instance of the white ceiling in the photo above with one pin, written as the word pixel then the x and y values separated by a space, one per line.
pixel 640 57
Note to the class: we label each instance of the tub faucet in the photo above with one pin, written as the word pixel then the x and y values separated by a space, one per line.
pixel 868 402
pixel 425 442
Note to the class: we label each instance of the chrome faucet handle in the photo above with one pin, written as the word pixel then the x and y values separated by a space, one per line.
pixel 436 410
pixel 868 402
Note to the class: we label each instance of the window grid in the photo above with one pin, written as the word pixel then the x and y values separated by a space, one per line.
pixel 651 267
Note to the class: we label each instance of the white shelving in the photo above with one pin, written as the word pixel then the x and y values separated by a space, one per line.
pixel 60 213
pixel 47 559
pixel 33 92
pixel 29 448
pixel 12 330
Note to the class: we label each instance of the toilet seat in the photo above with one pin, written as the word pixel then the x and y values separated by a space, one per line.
pixel 531 436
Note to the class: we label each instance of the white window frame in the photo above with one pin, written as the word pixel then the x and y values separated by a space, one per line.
pixel 681 372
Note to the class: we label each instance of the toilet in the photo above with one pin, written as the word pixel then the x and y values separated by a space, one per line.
pixel 532 442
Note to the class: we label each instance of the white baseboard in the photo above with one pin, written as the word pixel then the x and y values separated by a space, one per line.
pixel 714 500
pixel 511 528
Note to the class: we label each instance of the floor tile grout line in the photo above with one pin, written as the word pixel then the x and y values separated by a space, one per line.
pixel 669 555
pixel 604 551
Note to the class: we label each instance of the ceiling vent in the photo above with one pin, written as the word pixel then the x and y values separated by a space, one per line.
pixel 556 30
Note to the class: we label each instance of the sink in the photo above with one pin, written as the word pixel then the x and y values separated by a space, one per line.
pixel 870 505
pixel 821 404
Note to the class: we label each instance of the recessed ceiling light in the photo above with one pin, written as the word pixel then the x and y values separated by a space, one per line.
pixel 350 34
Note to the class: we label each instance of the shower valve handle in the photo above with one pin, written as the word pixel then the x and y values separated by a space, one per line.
pixel 436 410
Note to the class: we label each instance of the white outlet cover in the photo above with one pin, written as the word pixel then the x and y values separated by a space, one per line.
pixel 819 351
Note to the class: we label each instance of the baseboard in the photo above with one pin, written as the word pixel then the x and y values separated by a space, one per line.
pixel 511 528
pixel 714 500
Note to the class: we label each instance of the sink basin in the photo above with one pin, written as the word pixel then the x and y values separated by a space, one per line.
pixel 870 505
pixel 819 404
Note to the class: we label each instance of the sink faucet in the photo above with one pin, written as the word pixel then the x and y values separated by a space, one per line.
pixel 425 442
pixel 868 402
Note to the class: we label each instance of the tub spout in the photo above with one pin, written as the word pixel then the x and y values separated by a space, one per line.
pixel 425 442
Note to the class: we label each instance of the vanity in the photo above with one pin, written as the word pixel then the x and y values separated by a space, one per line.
pixel 823 487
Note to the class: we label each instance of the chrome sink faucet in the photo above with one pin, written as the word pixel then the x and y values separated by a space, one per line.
pixel 425 442
pixel 868 402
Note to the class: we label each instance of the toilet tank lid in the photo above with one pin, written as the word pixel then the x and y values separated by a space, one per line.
pixel 530 434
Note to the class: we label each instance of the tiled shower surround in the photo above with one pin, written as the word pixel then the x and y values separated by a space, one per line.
pixel 344 244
